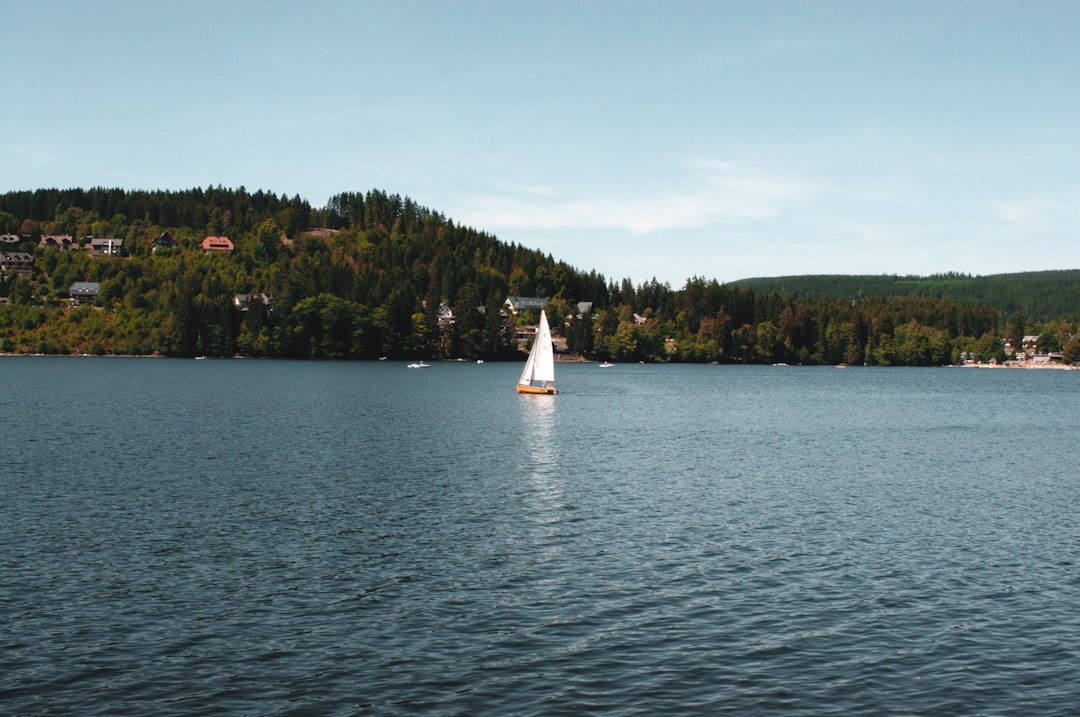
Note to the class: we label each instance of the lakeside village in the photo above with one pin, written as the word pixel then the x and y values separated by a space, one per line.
pixel 1023 354
pixel 87 292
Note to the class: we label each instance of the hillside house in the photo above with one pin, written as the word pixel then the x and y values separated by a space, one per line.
pixel 16 262
pixel 164 241
pixel 445 317
pixel 10 239
pixel 63 242
pixel 319 233
pixel 244 302
pixel 517 303
pixel 212 245
pixel 84 292
pixel 104 247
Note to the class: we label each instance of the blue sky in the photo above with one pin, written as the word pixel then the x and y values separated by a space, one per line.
pixel 647 139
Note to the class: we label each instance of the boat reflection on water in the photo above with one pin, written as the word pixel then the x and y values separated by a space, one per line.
pixel 538 417
pixel 543 469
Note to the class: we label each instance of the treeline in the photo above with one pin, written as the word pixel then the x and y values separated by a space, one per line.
pixel 100 211
pixel 1038 295
pixel 375 274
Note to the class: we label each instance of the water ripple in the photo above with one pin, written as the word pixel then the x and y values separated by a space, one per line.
pixel 695 540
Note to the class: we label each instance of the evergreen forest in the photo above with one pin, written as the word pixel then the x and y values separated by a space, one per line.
pixel 1039 295
pixel 374 275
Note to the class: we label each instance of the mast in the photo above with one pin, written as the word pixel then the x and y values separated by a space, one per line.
pixel 540 365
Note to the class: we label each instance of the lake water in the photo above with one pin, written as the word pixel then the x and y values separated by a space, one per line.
pixel 279 538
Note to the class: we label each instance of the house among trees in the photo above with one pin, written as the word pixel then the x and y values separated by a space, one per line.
pixel 63 242
pixel 84 292
pixel 16 262
pixel 517 303
pixel 105 247
pixel 244 301
pixel 164 241
pixel 319 233
pixel 445 317
pixel 10 239
pixel 216 244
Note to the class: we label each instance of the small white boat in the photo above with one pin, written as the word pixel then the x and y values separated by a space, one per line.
pixel 419 364
pixel 606 365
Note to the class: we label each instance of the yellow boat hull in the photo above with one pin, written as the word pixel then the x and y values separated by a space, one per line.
pixel 549 390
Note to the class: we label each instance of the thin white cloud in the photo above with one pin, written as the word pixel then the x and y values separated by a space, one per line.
pixel 712 192
pixel 1015 212
pixel 783 47
pixel 1059 211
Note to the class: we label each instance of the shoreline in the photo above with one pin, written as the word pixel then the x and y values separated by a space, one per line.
pixel 1029 365
pixel 559 358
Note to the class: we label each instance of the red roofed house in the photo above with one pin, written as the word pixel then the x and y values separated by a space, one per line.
pixel 210 244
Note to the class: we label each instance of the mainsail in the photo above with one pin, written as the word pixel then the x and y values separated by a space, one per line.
pixel 540 367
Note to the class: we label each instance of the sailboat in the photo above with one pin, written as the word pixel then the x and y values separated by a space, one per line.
pixel 538 375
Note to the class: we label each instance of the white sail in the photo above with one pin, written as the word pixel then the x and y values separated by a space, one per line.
pixel 541 363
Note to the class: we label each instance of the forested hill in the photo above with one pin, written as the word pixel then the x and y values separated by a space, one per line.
pixel 228 272
pixel 1038 295
pixel 365 276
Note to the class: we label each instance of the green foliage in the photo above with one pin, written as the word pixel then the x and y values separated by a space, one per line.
pixel 367 284
pixel 366 276
pixel 1040 295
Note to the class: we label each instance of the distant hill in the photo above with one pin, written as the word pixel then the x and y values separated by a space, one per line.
pixel 1037 295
